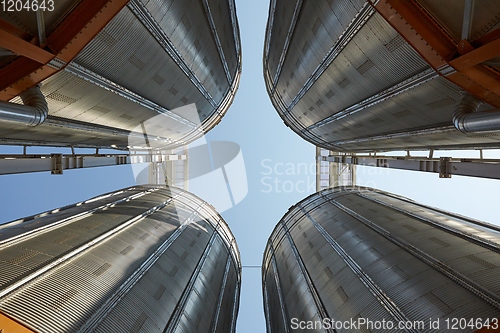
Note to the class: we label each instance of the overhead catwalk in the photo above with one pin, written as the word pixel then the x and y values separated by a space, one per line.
pixel 361 255
pixel 357 75
pixel 107 68
pixel 140 259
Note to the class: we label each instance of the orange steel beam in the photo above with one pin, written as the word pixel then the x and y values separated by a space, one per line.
pixel 20 67
pixel 9 324
pixel 24 48
pixel 419 29
pixel 14 30
pixel 77 29
pixel 433 42
pixel 477 56
pixel 485 39
pixel 82 25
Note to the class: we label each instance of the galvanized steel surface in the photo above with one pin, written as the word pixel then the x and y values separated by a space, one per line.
pixel 33 112
pixel 152 58
pixel 122 262
pixel 345 80
pixel 371 254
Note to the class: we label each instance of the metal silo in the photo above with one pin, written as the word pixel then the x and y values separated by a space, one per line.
pixel 107 67
pixel 386 75
pixel 357 255
pixel 142 259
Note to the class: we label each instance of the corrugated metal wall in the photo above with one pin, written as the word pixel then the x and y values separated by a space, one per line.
pixel 142 259
pixel 342 78
pixel 151 59
pixel 349 253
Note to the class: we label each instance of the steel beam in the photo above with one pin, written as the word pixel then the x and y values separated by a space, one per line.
pixel 395 90
pixel 424 131
pixel 269 33
pixel 77 29
pixel 51 266
pixel 432 41
pixel 40 23
pixel 85 126
pixel 145 17
pixel 215 317
pixel 444 166
pixel 119 293
pixel 186 169
pixel 318 169
pixel 449 228
pixel 347 35
pixel 277 281
pixel 215 35
pixel 288 40
pixel 467 21
pixel 176 316
pixel 313 293
pixel 23 48
pixel 56 163
pixel 485 39
pixel 474 287
pixel 396 313
pixel 114 87
pixel 477 56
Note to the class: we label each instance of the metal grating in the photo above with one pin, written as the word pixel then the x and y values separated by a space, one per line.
pixel 438 303
pixel 158 79
pixel 400 273
pixel 480 261
pixel 159 293
pixel 106 39
pixel 139 322
pixel 344 83
pixel 23 257
pixel 101 270
pixel 438 241
pixel 60 301
pixel 92 225
pixel 442 103
pixel 137 62
pixel 395 43
pixel 365 67
pixel 127 250
pixel 343 296
pixel 61 98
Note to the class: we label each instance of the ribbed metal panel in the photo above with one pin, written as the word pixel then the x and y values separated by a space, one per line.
pixel 343 60
pixel 165 54
pixel 370 254
pixel 121 265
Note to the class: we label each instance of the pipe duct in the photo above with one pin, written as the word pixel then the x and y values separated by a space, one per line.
pixel 466 118
pixel 32 113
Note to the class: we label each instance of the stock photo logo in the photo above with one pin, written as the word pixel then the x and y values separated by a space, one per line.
pixel 215 170
pixel 279 177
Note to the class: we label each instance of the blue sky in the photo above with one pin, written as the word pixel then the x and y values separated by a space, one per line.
pixel 275 160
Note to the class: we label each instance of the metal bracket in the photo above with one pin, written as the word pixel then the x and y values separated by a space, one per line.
pixel 57 165
pixel 444 167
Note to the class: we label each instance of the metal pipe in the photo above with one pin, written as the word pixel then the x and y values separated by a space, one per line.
pixel 466 118
pixel 32 113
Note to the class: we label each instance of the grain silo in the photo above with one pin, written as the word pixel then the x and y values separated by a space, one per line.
pixel 107 67
pixel 142 259
pixel 369 75
pixel 359 255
